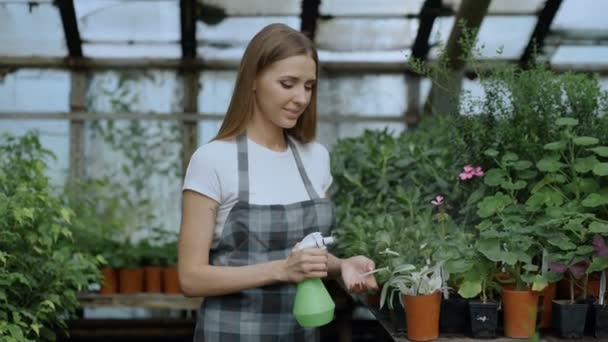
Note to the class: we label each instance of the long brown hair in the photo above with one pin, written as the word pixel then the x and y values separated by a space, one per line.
pixel 273 43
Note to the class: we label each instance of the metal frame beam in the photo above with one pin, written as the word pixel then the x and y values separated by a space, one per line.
pixel 188 28
pixel 543 25
pixel 185 117
pixel 429 12
pixel 309 17
pixel 70 27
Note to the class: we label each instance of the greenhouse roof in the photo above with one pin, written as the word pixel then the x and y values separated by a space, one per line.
pixel 348 33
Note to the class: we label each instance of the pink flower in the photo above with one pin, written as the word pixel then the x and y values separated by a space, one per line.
pixel 470 172
pixel 438 200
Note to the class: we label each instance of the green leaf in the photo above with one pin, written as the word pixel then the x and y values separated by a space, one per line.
pixel 598 264
pixel 583 165
pixel 566 122
pixel 597 227
pixel 522 165
pixel 492 204
pixel 494 177
pixel 491 249
pixel 490 152
pixel 66 214
pixel 528 174
pixel 509 157
pixel 601 151
pixel 469 289
pixel 520 184
pixel 601 169
pixel 549 165
pixel 36 327
pixel 563 244
pixel 539 283
pixel 595 200
pixel 585 141
pixel 556 146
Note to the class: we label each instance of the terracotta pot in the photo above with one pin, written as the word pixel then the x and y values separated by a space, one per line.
pixel 548 294
pixel 520 310
pixel 171 280
pixel 108 283
pixel 130 280
pixel 422 316
pixel 153 279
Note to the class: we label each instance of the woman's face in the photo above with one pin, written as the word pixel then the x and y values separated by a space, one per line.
pixel 283 90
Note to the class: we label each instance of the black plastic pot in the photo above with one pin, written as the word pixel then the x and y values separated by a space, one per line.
pixel 569 319
pixel 397 315
pixel 601 320
pixel 590 320
pixel 453 317
pixel 483 319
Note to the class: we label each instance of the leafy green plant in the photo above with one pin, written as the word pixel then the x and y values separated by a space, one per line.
pixel 572 195
pixel 506 234
pixel 41 269
pixel 406 280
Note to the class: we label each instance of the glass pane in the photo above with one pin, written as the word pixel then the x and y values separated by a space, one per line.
pixel 494 41
pixel 238 30
pixel 365 94
pixel 143 157
pixel 370 8
pixel 372 57
pixel 214 98
pixel 31 29
pixel 40 90
pixel 126 21
pixel 248 7
pixel 505 6
pixel 132 51
pixel 581 57
pixel 366 34
pixel 581 15
pixel 329 133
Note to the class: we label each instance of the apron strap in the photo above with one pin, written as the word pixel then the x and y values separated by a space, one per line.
pixel 312 193
pixel 243 169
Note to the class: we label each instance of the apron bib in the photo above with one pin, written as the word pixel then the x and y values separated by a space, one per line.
pixel 255 234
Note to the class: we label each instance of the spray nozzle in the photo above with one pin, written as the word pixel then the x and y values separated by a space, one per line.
pixel 316 240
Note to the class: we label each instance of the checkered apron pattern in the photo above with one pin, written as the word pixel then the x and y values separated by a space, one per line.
pixel 255 234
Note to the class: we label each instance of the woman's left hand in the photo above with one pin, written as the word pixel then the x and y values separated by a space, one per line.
pixel 352 269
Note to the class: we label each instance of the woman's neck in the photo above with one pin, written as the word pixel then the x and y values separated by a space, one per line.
pixel 267 134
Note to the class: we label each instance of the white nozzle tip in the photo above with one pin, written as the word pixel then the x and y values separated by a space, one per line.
pixel 328 240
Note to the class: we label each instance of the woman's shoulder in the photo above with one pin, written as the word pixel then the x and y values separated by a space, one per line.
pixel 215 150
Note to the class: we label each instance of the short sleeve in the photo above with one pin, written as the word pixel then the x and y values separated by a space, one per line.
pixel 201 175
pixel 327 177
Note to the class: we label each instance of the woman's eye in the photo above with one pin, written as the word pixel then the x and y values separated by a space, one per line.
pixel 286 85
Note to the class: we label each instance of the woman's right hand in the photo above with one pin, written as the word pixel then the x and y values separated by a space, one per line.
pixel 305 264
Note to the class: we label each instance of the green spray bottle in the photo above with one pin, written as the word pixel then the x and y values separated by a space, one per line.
pixel 313 305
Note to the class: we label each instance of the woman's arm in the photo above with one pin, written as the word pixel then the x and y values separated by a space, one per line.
pixel 198 278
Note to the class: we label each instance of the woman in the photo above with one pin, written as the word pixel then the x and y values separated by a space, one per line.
pixel 253 193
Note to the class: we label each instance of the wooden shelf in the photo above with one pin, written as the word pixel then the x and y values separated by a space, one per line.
pixel 140 300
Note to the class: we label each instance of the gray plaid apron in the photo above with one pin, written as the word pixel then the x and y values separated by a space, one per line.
pixel 255 234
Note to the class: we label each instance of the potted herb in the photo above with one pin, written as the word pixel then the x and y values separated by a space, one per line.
pixel 506 236
pixel 421 294
pixel 570 196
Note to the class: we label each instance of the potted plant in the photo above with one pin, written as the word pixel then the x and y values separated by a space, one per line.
pixel 130 273
pixel 506 236
pixel 477 284
pixel 421 295
pixel 570 197
pixel 152 261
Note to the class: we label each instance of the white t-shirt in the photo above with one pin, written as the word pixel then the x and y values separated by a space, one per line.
pixel 273 176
